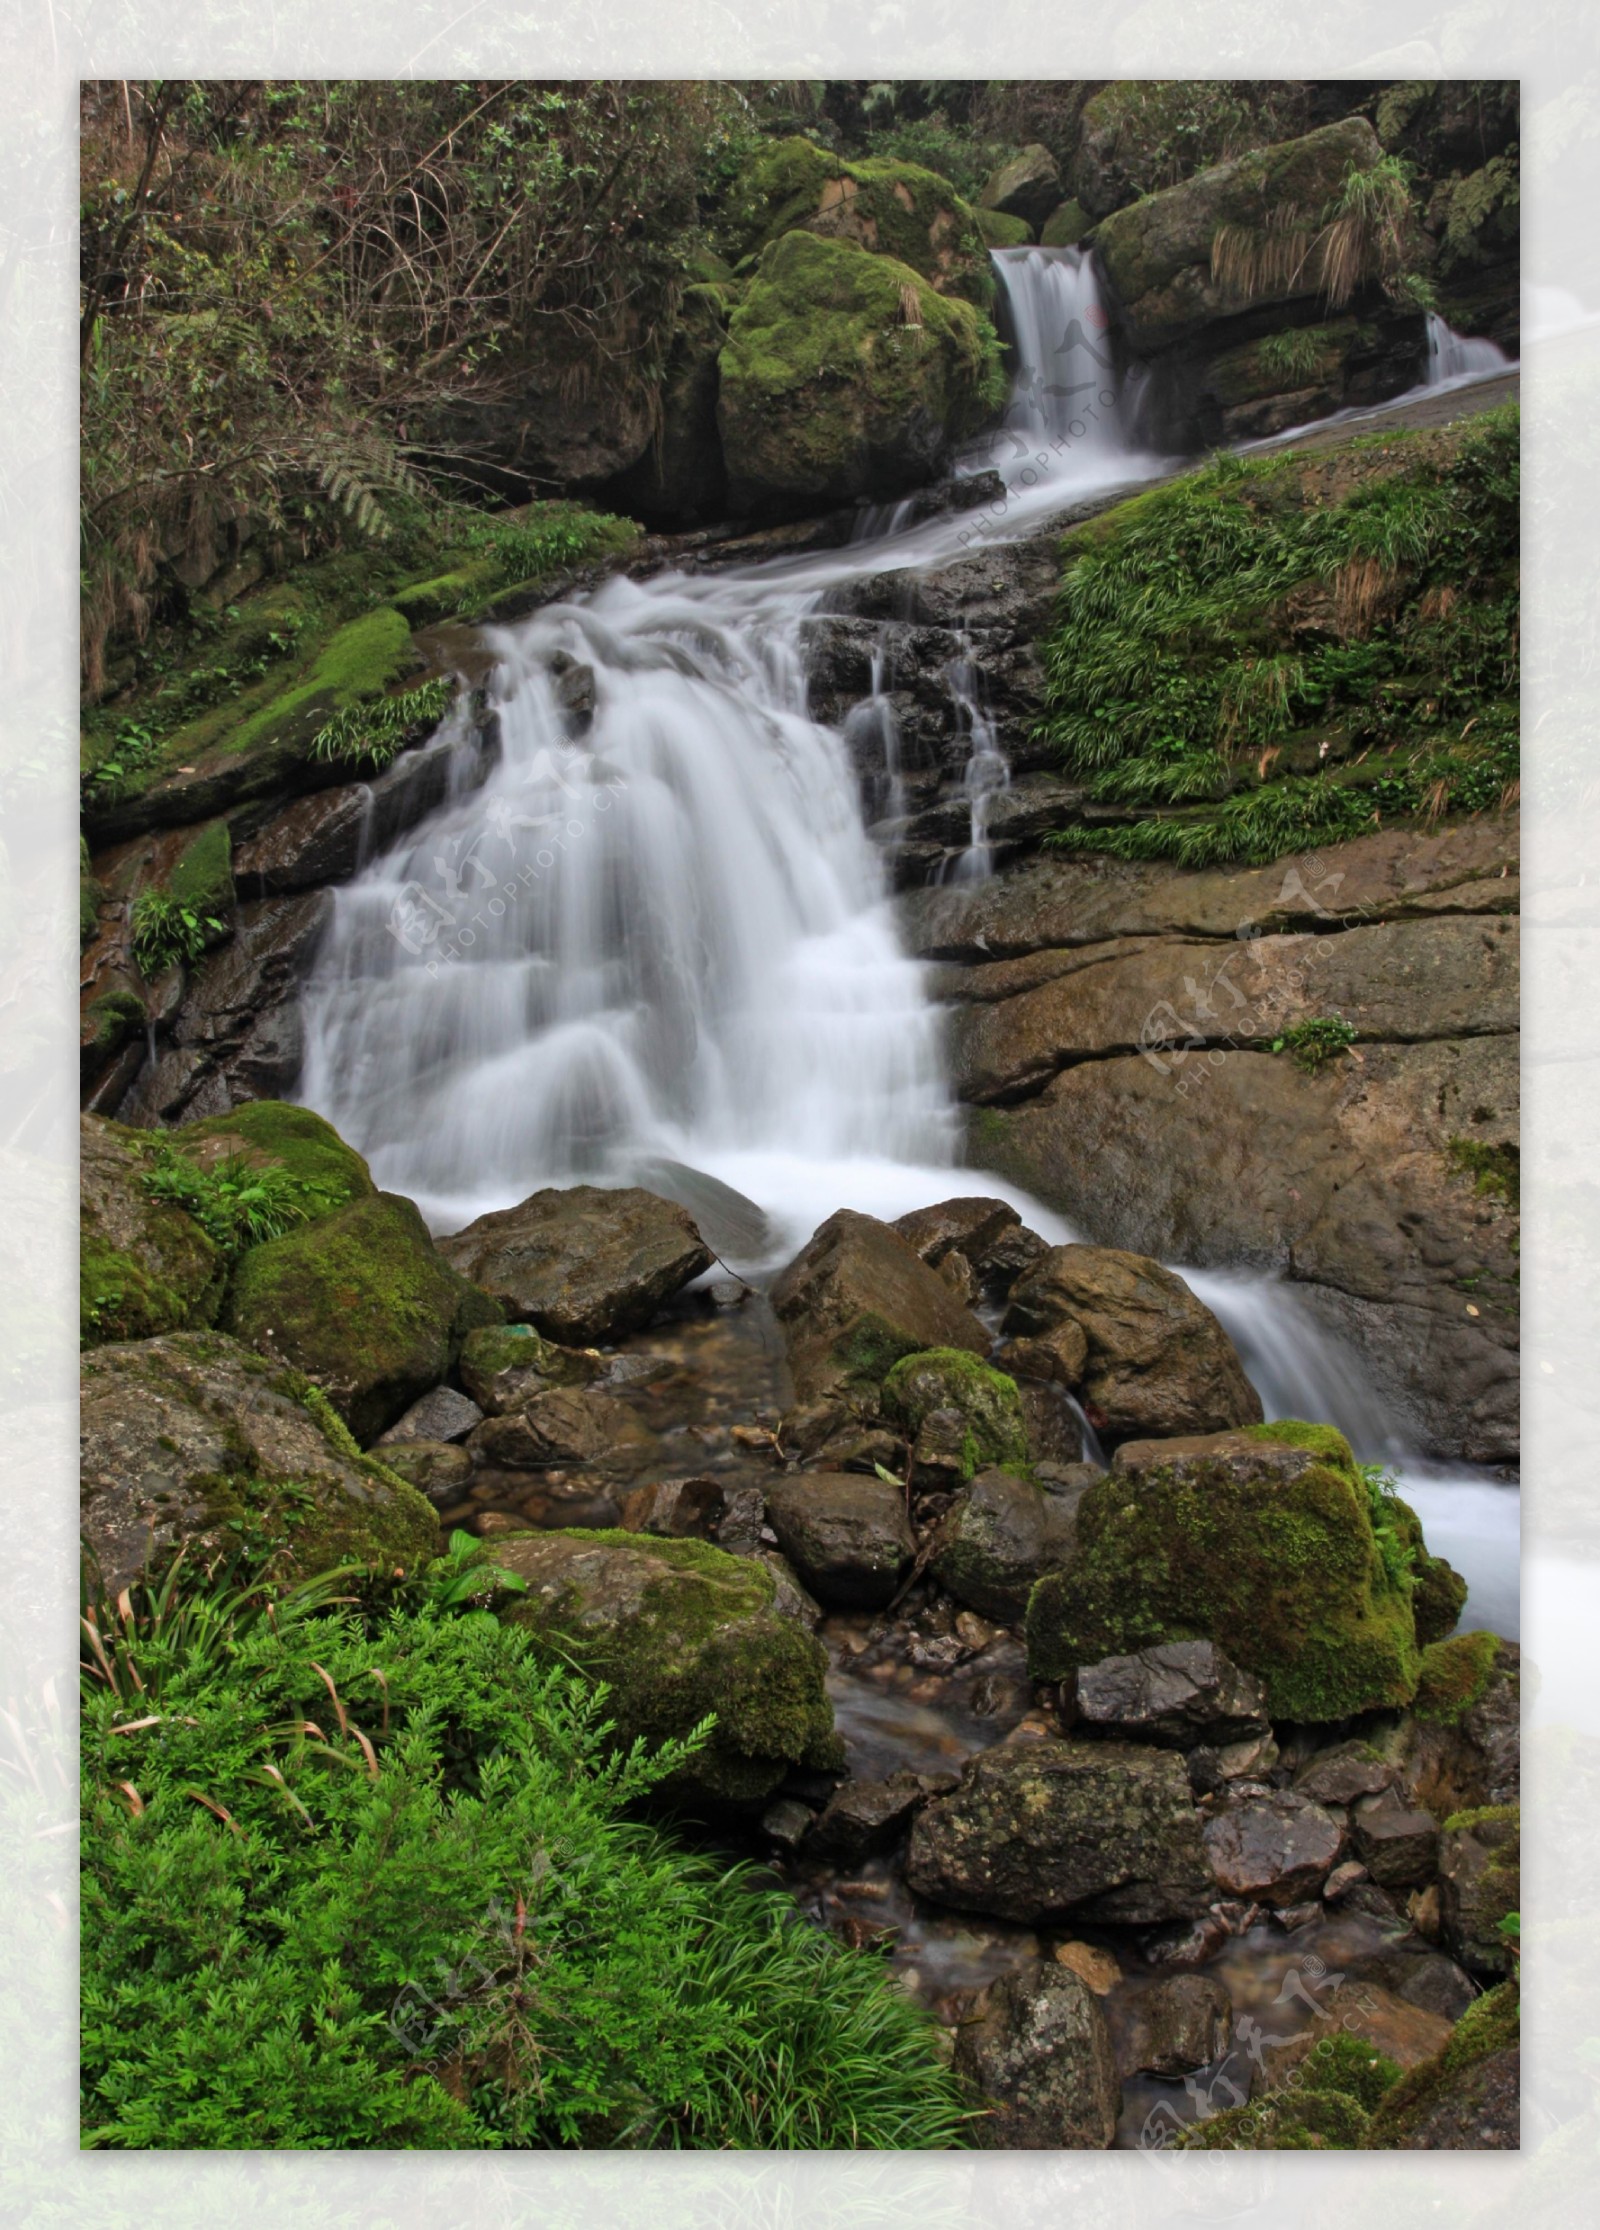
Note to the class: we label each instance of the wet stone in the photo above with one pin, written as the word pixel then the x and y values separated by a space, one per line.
pixel 1398 1844
pixel 1275 1846
pixel 435 1468
pixel 1180 2023
pixel 1037 2050
pixel 1340 1775
pixel 847 1536
pixel 1177 1694
pixel 787 1822
pixel 442 1415
pixel 863 1818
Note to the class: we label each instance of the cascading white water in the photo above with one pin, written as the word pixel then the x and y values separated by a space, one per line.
pixel 1455 357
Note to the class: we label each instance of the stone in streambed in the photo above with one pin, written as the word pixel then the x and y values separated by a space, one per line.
pixel 847 1536
pixel 581 1263
pixel 950 1379
pixel 862 1818
pixel 1176 1694
pixel 1398 1845
pixel 1479 1884
pixel 680 1630
pixel 1343 1773
pixel 1182 2022
pixel 1272 1846
pixel 563 1426
pixel 999 1536
pixel 1099 1830
pixel 441 1415
pixel 1037 2051
pixel 1157 1362
pixel 504 1365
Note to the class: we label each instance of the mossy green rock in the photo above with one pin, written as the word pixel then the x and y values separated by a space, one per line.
pixel 1455 1674
pixel 1438 1592
pixel 201 877
pixel 1480 1872
pixel 887 207
pixel 191 1439
pixel 1465 2099
pixel 1028 186
pixel 1065 226
pixel 1001 231
pixel 681 1631
pixel 1246 1539
pixel 362 1303
pixel 1157 252
pixel 1000 1535
pixel 846 374
pixel 270 1132
pixel 144 1266
pixel 502 1365
pixel 952 1379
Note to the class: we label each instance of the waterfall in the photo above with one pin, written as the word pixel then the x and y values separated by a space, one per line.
pixel 1453 358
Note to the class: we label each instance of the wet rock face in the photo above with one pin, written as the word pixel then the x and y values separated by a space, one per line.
pixel 855 1300
pixel 192 1438
pixel 1097 1829
pixel 317 839
pixel 1039 2054
pixel 984 1231
pixel 1462 1749
pixel 1479 1884
pixel 565 1425
pixel 505 1365
pixel 847 1536
pixel 1183 2022
pixel 580 1263
pixel 680 1630
pixel 999 1536
pixel 1156 1361
pixel 1272 1846
pixel 864 1817
pixel 443 1415
pixel 1177 1694
pixel 1261 1540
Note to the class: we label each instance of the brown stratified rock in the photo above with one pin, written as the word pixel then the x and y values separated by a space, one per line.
pixel 1157 1362
pixel 969 1226
pixel 1398 1845
pixel 582 1263
pixel 317 839
pixel 565 1425
pixel 1037 2051
pixel 1184 2021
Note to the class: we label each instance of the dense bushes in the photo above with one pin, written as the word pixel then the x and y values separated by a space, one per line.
pixel 361 1875
pixel 1287 660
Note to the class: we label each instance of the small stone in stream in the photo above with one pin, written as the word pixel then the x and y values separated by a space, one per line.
pixel 743 1519
pixel 489 1522
pixel 858 1449
pixel 676 1509
pixel 941 1449
pixel 1291 1917
pixel 435 1468
pixel 1424 1978
pixel 1250 1759
pixel 848 1537
pixel 442 1415
pixel 1182 2022
pixel 971 1227
pixel 1037 2050
pixel 504 1365
pixel 1093 1965
pixel 974 1631
pixel 565 1425
pixel 791 1599
pixel 787 1823
pixel 1186 1943
pixel 728 1293
pixel 864 1817
pixel 1012 1256
pixel 1277 1847
pixel 582 1262
pixel 938 1653
pixel 1176 1694
pixel 1399 1845
pixel 1377 1904
pixel 996 1539
pixel 1340 1775
pixel 1342 1880
pixel 962 1279
pixel 1206 1777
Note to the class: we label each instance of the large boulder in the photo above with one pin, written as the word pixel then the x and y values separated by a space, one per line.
pixel 1028 186
pixel 1156 1361
pixel 681 480
pixel 1461 1748
pixel 1000 1535
pixel 853 1302
pixel 1035 1831
pixel 1158 251
pixel 192 1440
pixel 681 1631
pixel 361 1302
pixel 847 1536
pixel 271 1134
pixel 144 1265
pixel 844 375
pixel 1038 2053
pixel 946 1381
pixel 1177 1694
pixel 1480 1866
pixel 890 208
pixel 582 1263
pixel 1263 1541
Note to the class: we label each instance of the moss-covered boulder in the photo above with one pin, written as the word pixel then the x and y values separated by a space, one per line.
pixel 1027 186
pixel 1480 1872
pixel 1000 1535
pixel 1000 231
pixel 1438 1592
pixel 1065 226
pixel 889 208
pixel 503 1366
pixel 1460 1748
pixel 1158 252
pixel 682 1631
pixel 847 374
pixel 144 1265
pixel 362 1302
pixel 272 1134
pixel 953 1380
pixel 191 1439
pixel 1262 1541
pixel 1467 2097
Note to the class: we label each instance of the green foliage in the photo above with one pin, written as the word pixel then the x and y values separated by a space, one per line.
pixel 373 733
pixel 1166 130
pixel 237 1201
pixel 1396 1548
pixel 464 1576
pixel 1316 1040
pixel 1281 670
pixel 360 1875
pixel 1293 356
pixel 165 930
pixel 1496 1171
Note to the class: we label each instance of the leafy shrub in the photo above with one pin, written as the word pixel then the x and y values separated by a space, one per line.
pixel 166 930
pixel 360 1875
pixel 237 1202
pixel 1293 355
pixel 1319 1038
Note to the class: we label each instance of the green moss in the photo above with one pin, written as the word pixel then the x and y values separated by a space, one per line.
pixel 303 1530
pixel 1454 1676
pixel 88 897
pixel 1438 1592
pixel 1490 2024
pixel 1065 226
pixel 518 1347
pixel 1496 1171
pixel 295 1138
pixel 173 1283
pixel 1325 1441
pixel 202 875
pixel 1000 231
pixel 117 1016
pixel 950 1378
pixel 1285 1573
pixel 1343 2063
pixel 362 1303
pixel 702 1639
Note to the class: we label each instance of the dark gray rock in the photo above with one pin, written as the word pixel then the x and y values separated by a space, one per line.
pixel 582 1263
pixel 1038 2052
pixel 1178 1694
pixel 847 1536
pixel 1000 1535
pixel 1343 1773
pixel 317 839
pixel 864 1817
pixel 1398 1845
pixel 1039 1829
pixel 436 1468
pixel 1182 2022
pixel 1272 1845
pixel 441 1415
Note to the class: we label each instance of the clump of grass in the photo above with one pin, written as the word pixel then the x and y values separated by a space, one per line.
pixel 1321 1038
pixel 237 1202
pixel 1292 356
pixel 165 930
pixel 373 733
